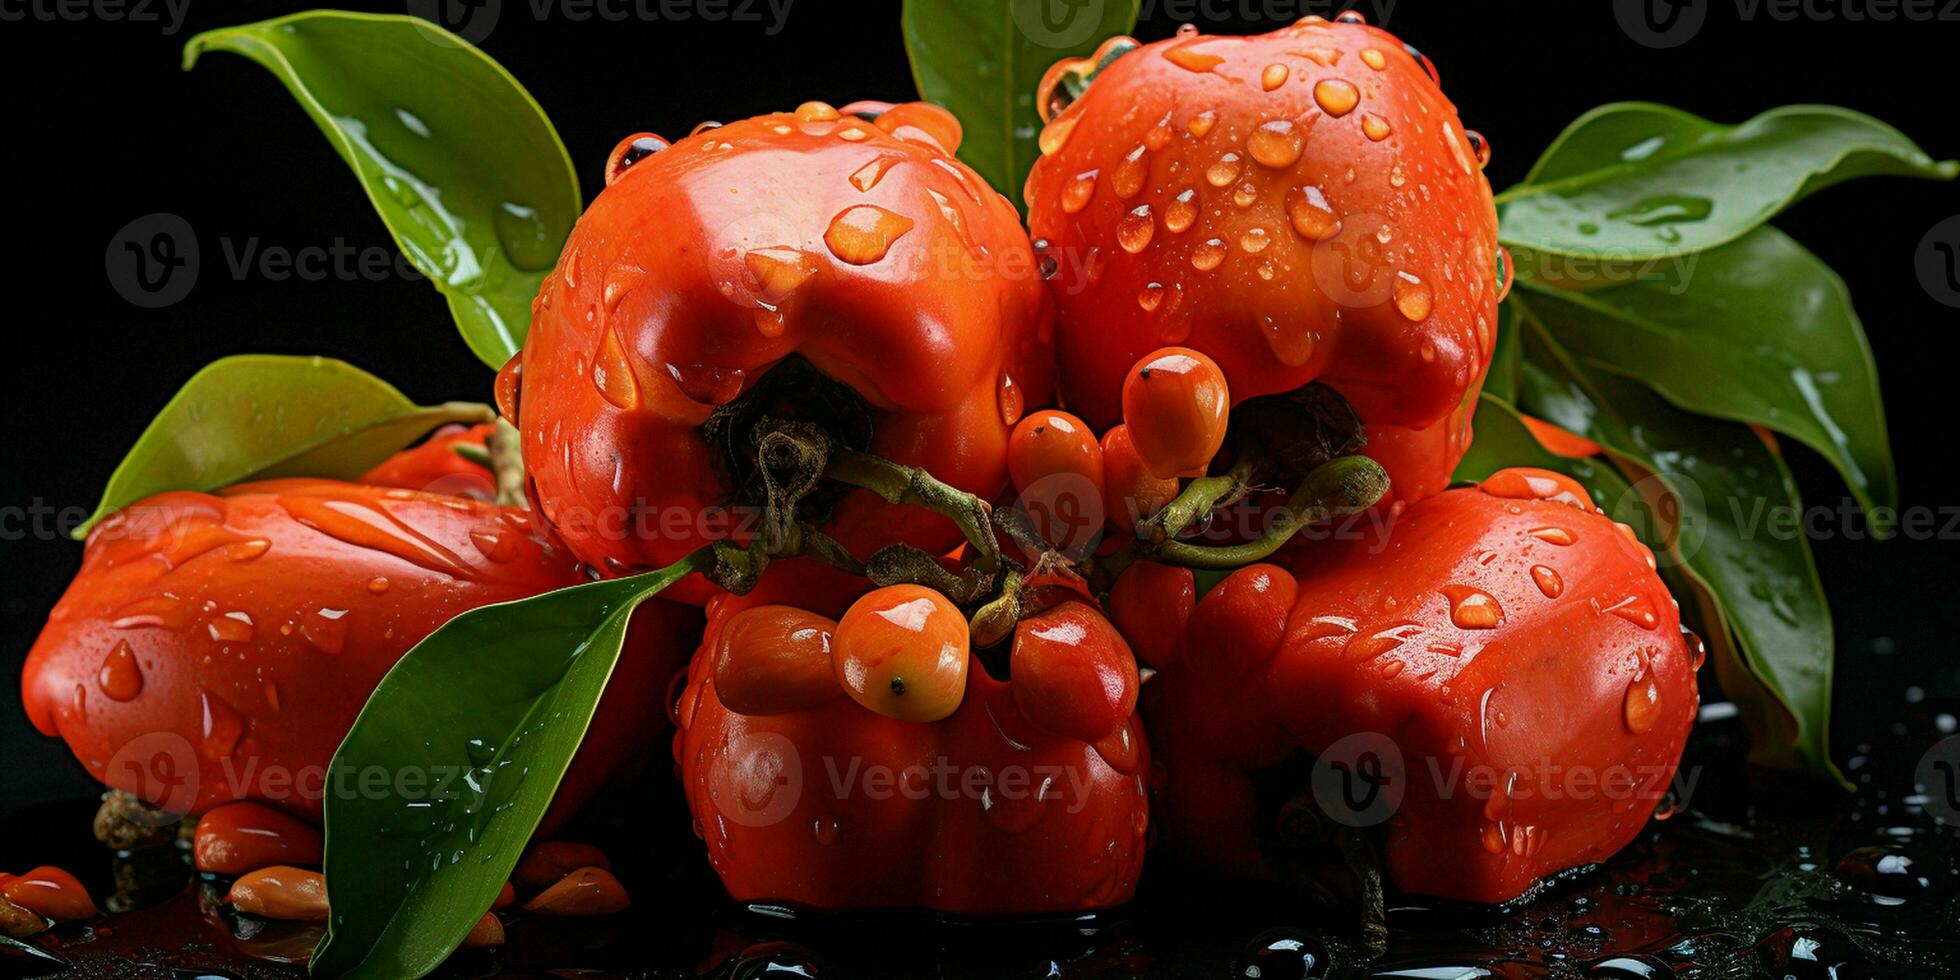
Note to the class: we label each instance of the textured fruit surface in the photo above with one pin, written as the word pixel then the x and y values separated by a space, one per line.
pixel 1302 206
pixel 1512 647
pixel 864 247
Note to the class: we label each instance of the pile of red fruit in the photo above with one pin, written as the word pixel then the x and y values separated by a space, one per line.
pixel 990 647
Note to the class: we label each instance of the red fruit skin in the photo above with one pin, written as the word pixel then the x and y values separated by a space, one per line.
pixel 925 332
pixel 1329 311
pixel 787 814
pixel 1546 686
pixel 257 622
pixel 1073 674
pixel 436 467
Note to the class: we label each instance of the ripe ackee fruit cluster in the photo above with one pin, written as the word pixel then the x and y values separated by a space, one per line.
pixel 963 512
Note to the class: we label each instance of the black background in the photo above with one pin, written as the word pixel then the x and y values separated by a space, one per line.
pixel 103 128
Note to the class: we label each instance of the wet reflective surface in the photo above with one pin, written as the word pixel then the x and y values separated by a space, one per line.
pixel 1755 875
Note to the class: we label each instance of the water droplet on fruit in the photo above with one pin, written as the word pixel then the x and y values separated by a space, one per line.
pixel 1150 296
pixel 706 383
pixel 1336 96
pixel 1007 396
pixel 630 151
pixel 816 112
pixel 120 677
pixel 612 375
pixel 1189 58
pixel 1643 704
pixel 377 584
pixel 1472 608
pixel 868 176
pixel 1245 194
pixel 1554 535
pixel 1479 147
pixel 863 234
pixel 1273 76
pixel 1076 195
pixel 1129 175
pixel 1207 256
pixel 1136 230
pixel 1374 127
pixel 1548 581
pixel 1412 297
pixel 1201 123
pixel 1181 212
pixel 1634 609
pixel 1223 171
pixel 1373 58
pixel 1055 135
pixel 232 627
pixel 1255 240
pixel 1310 213
pixel 1277 143
pixel 1351 17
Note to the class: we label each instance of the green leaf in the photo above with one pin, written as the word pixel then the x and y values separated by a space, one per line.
pixel 982 59
pixel 1757 331
pixel 452 763
pixel 461 164
pixel 1634 180
pixel 1730 505
pixel 260 416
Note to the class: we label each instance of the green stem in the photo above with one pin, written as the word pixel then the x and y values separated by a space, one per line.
pixel 1336 488
pixel 900 484
pixel 506 449
pixel 1200 497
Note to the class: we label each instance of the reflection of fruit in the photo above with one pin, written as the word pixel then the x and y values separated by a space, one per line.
pixel 1301 206
pixel 863 247
pixel 242 632
pixel 982 812
pixel 1509 633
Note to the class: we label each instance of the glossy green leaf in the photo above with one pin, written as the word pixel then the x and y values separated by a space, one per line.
pixel 1731 514
pixel 452 763
pixel 1757 331
pixel 983 59
pixel 1634 180
pixel 260 416
pixel 461 164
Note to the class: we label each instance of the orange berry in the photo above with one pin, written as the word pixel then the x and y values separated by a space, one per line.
pixel 902 652
pixel 1176 404
pixel 1057 467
